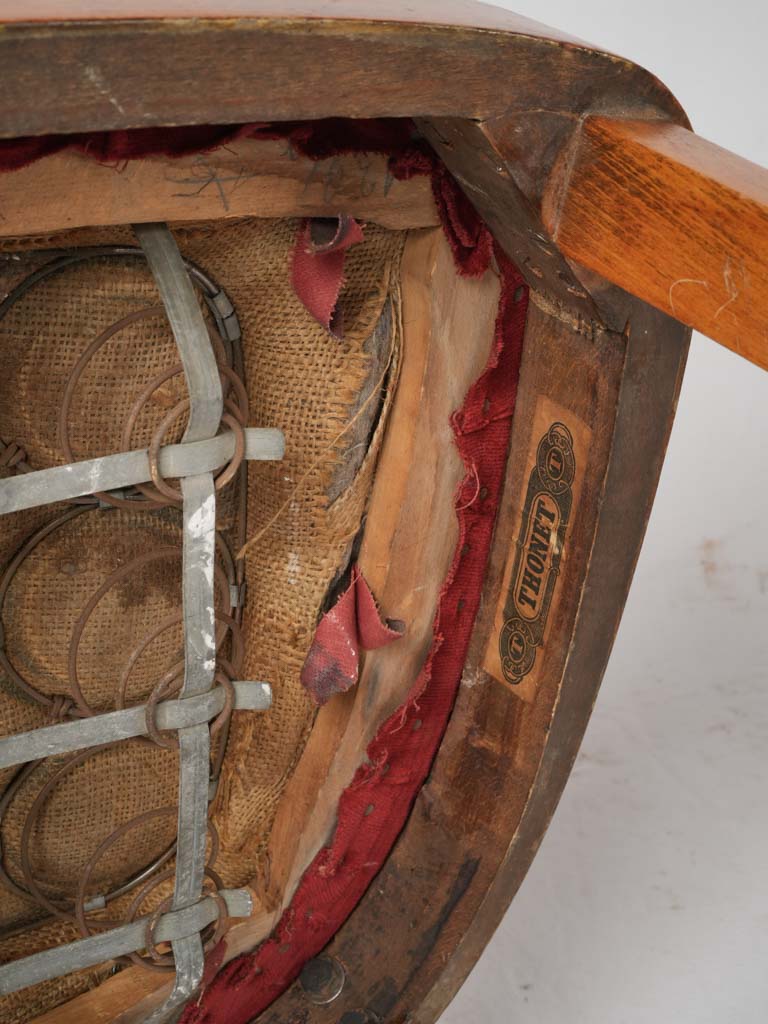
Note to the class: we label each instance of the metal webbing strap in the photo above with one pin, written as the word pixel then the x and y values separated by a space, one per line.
pixel 64 737
pixel 75 956
pixel 126 469
pixel 206 405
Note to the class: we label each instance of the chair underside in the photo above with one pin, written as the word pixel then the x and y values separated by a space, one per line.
pixel 472 444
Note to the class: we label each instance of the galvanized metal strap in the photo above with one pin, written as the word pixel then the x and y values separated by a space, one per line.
pixel 198 556
pixel 174 926
pixel 189 330
pixel 126 469
pixel 199 518
pixel 113 726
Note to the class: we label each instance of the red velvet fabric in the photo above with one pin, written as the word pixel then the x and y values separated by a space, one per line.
pixel 315 139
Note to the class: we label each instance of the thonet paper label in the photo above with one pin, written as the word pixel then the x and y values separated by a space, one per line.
pixel 530 592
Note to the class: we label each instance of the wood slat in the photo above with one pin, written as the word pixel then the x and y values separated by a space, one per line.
pixel 672 218
pixel 248 177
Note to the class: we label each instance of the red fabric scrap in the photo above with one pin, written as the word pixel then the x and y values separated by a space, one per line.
pixel 470 239
pixel 314 139
pixel 354 623
pixel 317 267
pixel 116 147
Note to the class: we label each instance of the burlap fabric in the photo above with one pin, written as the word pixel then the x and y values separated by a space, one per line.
pixel 305 511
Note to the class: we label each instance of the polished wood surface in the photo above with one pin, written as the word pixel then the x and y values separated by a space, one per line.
pixel 672 218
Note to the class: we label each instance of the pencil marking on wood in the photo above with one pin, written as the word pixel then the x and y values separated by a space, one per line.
pixel 204 174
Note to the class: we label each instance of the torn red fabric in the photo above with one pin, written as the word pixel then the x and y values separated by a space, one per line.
pixel 314 139
pixel 118 146
pixel 352 625
pixel 470 239
pixel 317 266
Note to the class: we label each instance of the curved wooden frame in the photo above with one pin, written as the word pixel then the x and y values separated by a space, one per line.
pixel 526 120
pixel 503 762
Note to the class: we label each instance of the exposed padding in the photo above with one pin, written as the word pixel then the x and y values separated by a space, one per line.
pixel 305 513
pixel 308 384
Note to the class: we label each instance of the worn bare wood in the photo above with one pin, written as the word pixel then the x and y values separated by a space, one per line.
pixel 672 218
pixel 103 1004
pixel 274 62
pixel 241 179
pixel 410 534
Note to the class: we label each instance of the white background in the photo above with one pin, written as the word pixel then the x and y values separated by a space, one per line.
pixel 648 901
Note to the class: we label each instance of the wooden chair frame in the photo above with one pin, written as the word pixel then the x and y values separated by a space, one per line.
pixel 622 222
